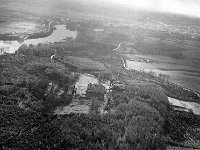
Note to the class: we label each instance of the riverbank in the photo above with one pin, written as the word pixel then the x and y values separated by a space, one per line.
pixel 22 66
pixel 58 35
pixel 191 95
pixel 43 34
pixel 9 37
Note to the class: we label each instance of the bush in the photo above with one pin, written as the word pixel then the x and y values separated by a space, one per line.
pixel 94 107
pixel 139 124
pixel 150 94
pixel 136 108
pixel 39 50
pixel 87 132
pixel 143 133
pixel 38 89
pixel 22 130
pixel 119 98
pixel 180 123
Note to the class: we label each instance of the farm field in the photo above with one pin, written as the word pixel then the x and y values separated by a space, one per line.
pixel 84 63
pixel 20 24
pixel 106 85
pixel 178 59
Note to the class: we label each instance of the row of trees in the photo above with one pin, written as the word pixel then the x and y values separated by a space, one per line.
pixel 137 117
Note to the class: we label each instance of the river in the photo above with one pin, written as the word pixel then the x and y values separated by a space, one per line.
pixel 82 85
pixel 140 66
pixel 188 105
pixel 59 34
pixel 62 33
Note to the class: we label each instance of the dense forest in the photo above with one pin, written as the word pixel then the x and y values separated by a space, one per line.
pixel 139 116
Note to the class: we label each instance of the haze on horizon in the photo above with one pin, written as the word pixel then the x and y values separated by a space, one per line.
pixel 184 7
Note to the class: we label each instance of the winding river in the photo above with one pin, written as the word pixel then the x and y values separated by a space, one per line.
pixel 58 35
pixel 128 65
pixel 62 33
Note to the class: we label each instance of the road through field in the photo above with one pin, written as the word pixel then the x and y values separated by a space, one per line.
pixel 127 68
pixel 175 102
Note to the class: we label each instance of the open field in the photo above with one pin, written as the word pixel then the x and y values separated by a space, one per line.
pixel 146 102
pixel 179 59
pixel 84 63
pixel 20 24
pixel 81 93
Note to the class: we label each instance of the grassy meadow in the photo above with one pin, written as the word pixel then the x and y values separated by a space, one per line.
pixel 179 59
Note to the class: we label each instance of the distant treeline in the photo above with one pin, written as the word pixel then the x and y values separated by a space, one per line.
pixel 43 50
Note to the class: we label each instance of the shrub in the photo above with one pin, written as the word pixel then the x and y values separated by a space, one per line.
pixel 143 133
pixel 150 94
pixel 119 98
pixel 136 108
pixel 21 129
pixel 153 92
pixel 38 89
pixel 139 124
pixel 94 107
pixel 87 132
pixel 39 50
pixel 179 124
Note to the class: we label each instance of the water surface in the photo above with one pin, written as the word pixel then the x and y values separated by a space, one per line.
pixel 186 76
pixel 58 35
pixel 188 105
